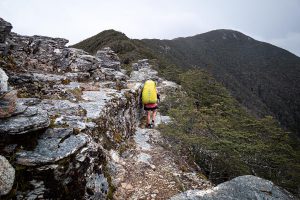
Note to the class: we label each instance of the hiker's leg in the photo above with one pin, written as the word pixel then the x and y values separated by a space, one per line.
pixel 153 115
pixel 148 117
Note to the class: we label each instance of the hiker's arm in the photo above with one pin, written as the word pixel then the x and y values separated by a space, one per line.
pixel 140 90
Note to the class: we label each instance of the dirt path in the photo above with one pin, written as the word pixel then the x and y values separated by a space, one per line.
pixel 146 168
pixel 151 171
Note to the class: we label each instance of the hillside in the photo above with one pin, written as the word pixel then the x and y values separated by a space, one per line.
pixel 126 48
pixel 72 127
pixel 210 126
pixel 263 77
pixel 129 50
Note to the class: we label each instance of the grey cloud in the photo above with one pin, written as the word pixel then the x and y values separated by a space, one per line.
pixel 274 21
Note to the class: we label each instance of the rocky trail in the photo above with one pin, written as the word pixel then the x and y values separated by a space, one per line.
pixel 71 127
pixel 147 169
pixel 151 171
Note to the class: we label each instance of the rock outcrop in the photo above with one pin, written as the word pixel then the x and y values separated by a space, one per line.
pixel 142 71
pixel 31 119
pixel 53 145
pixel 108 58
pixel 71 107
pixel 3 81
pixel 5 28
pixel 7 103
pixel 242 187
pixel 7 176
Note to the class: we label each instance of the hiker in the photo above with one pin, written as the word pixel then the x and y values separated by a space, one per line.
pixel 149 99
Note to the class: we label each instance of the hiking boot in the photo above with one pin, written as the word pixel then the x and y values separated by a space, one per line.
pixel 153 124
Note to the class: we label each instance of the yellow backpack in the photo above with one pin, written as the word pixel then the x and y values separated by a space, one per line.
pixel 149 94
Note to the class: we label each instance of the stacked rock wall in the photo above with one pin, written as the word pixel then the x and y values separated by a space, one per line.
pixel 70 106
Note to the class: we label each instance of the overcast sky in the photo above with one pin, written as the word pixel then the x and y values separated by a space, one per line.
pixel 273 21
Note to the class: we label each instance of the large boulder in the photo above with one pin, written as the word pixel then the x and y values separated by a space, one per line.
pixel 64 165
pixel 31 119
pixel 53 145
pixel 7 176
pixel 242 187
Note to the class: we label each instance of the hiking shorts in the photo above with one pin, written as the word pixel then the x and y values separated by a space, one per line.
pixel 152 106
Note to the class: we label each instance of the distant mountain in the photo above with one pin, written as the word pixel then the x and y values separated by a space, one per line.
pixel 211 127
pixel 127 49
pixel 262 77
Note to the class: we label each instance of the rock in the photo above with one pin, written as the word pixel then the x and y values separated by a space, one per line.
pixel 36 193
pixel 98 185
pixel 40 53
pixel 127 186
pixel 108 74
pixel 135 86
pixel 59 107
pixel 77 176
pixel 77 76
pixel 141 138
pixel 153 167
pixel 109 59
pixel 76 122
pixel 242 187
pixel 28 102
pixel 81 61
pixel 95 184
pixel 20 78
pixel 5 28
pixel 67 163
pixel 115 167
pixel 143 75
pixel 32 119
pixel 3 81
pixel 144 158
pixel 143 72
pixel 48 77
pixel 7 176
pixel 140 64
pixel 8 103
pixel 160 119
pixel 54 145
pixel 121 112
pixel 95 101
pixel 10 148
pixel 168 87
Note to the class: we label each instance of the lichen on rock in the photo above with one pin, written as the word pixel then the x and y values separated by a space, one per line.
pixel 7 176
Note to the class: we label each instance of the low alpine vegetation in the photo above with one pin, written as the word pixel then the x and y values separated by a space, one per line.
pixel 220 136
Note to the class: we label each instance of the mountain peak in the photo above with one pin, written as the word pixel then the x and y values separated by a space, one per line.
pixel 104 38
pixel 111 32
pixel 224 34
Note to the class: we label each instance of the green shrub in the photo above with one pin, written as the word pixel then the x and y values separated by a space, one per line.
pixel 226 141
